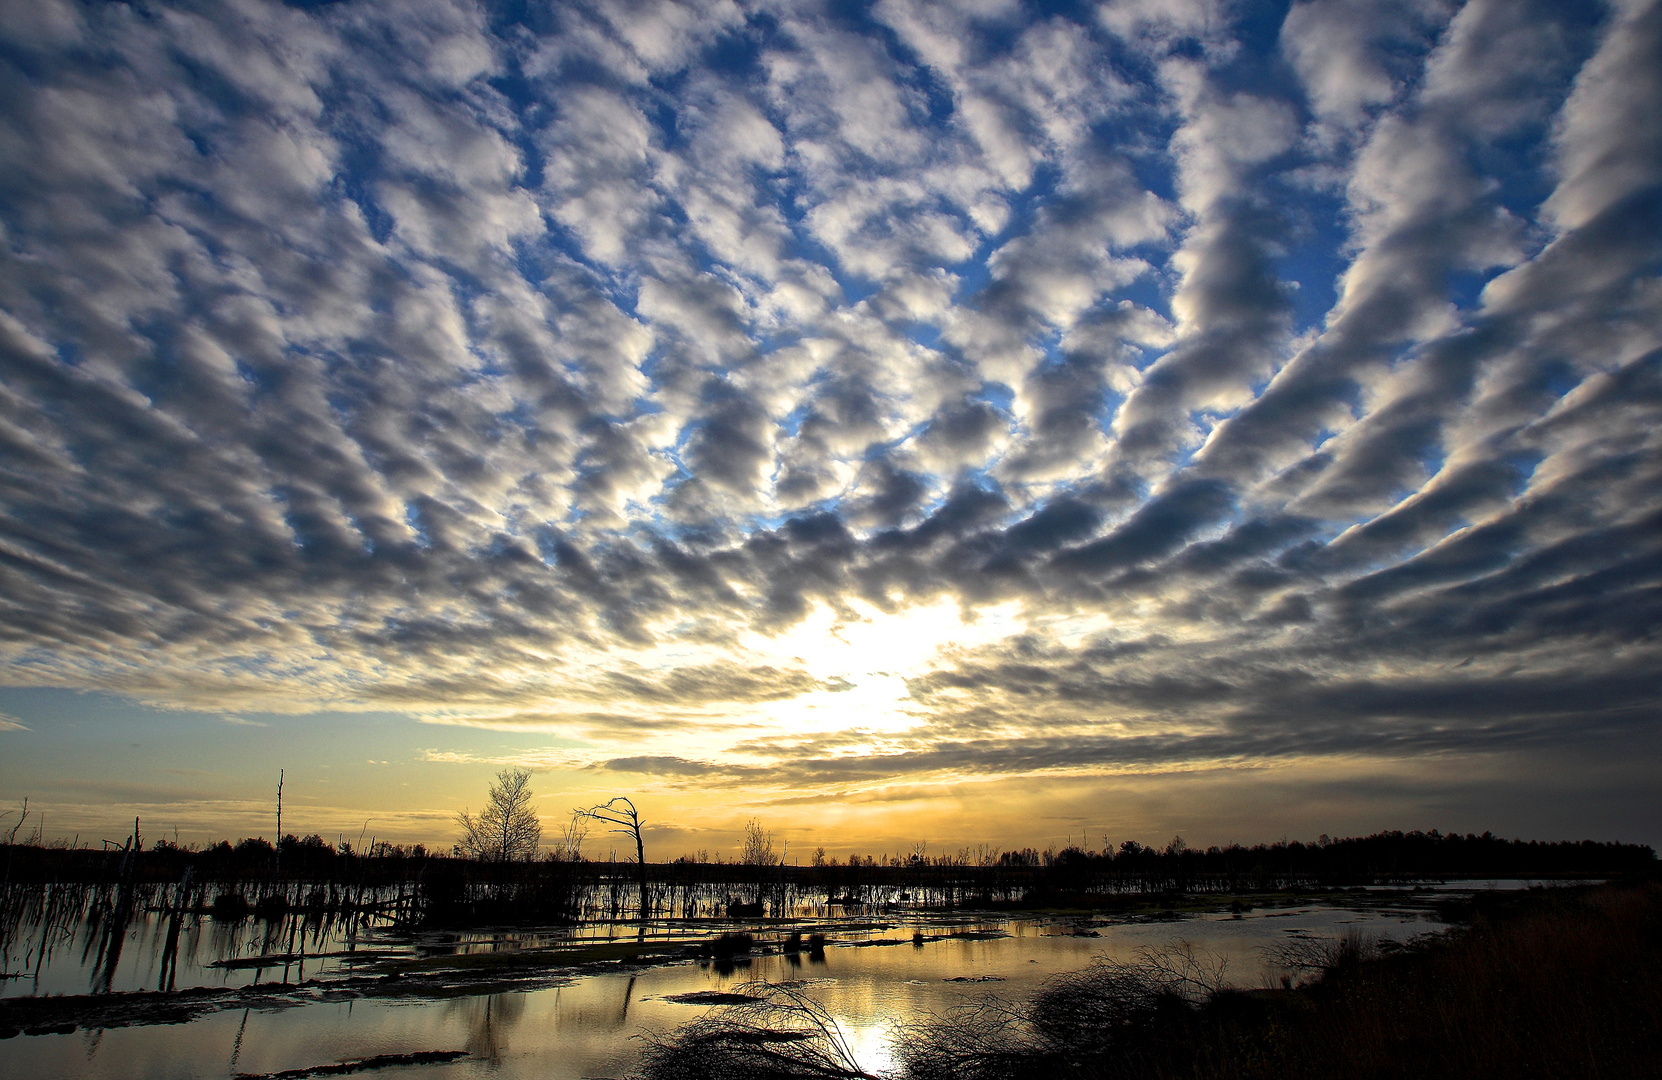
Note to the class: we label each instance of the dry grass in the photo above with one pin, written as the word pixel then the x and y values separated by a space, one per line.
pixel 1564 986
pixel 1557 985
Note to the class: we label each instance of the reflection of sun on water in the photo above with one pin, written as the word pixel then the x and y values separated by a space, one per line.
pixel 872 1045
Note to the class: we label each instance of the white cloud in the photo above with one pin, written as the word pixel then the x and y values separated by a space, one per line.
pixel 1347 51
pixel 1606 148
pixel 339 368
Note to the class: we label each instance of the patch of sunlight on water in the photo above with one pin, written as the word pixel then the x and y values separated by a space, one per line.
pixel 871 1044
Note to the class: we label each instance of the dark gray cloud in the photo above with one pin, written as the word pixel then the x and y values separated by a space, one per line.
pixel 620 370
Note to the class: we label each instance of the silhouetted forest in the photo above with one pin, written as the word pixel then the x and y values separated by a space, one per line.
pixel 415 885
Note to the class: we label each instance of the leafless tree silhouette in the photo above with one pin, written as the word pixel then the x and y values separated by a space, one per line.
pixel 621 815
pixel 758 845
pixel 569 847
pixel 507 829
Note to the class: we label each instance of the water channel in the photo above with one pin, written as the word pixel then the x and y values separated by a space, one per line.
pixel 556 1023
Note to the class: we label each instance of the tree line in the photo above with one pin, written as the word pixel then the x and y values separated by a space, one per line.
pixel 502 840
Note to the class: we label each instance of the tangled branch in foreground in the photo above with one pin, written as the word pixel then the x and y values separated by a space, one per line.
pixel 779 1033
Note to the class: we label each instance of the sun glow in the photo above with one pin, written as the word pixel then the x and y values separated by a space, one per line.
pixel 859 663
pixel 864 662
pixel 877 641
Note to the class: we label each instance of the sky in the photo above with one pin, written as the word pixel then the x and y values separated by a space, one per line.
pixel 906 421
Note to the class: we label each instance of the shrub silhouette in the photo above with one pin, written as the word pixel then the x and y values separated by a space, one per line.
pixel 780 1034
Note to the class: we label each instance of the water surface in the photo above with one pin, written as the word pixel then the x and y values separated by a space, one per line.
pixel 872 975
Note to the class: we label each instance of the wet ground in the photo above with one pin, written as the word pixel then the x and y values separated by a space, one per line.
pixel 563 1004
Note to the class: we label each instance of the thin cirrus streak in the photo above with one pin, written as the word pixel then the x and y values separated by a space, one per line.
pixel 936 389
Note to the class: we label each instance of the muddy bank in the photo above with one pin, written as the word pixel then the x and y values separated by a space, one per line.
pixel 379 1061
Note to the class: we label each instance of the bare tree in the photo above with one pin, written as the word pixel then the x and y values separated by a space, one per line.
pixel 569 847
pixel 21 818
pixel 622 816
pixel 758 845
pixel 758 851
pixel 507 829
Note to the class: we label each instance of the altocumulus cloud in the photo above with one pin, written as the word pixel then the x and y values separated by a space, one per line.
pixel 1228 386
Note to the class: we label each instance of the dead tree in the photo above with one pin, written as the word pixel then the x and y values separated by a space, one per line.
pixel 621 815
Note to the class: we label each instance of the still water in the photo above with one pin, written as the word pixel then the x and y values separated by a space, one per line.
pixel 589 1025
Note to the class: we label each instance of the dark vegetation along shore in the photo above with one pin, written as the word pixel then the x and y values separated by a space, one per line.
pixel 1550 983
pixel 413 887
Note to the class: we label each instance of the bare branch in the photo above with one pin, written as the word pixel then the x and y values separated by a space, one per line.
pixel 507 829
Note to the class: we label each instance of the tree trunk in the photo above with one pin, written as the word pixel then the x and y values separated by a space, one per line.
pixel 640 862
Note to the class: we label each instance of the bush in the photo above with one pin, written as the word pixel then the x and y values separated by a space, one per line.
pixel 229 907
pixel 780 1034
